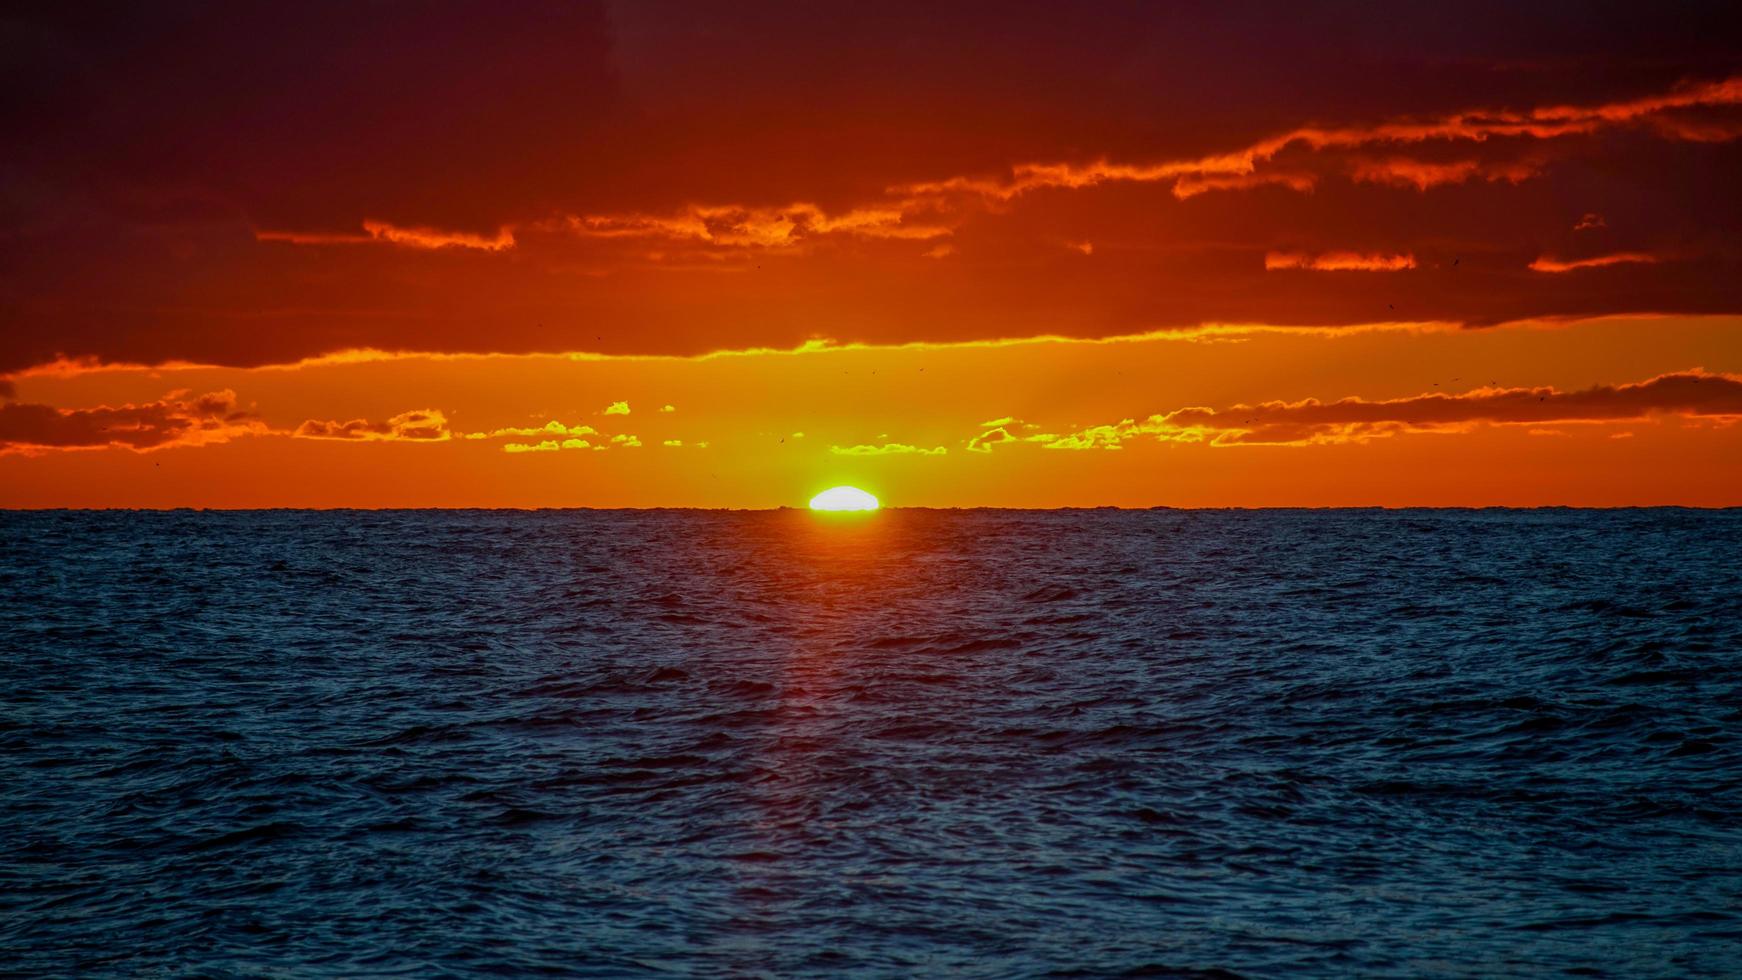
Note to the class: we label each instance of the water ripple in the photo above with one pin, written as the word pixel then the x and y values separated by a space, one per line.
pixel 979 743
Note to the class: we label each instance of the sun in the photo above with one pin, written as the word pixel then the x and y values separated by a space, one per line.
pixel 843 498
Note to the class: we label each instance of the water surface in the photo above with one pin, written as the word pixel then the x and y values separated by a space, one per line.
pixel 983 743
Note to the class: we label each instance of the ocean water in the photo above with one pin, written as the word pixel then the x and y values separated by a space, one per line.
pixel 975 743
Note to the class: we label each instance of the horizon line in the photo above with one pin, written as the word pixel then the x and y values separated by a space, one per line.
pixel 881 509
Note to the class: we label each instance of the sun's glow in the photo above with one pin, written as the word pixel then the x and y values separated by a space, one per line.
pixel 843 498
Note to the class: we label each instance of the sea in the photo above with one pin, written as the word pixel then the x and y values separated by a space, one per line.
pixel 915 743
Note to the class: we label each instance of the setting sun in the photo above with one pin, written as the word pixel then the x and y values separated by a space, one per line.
pixel 843 498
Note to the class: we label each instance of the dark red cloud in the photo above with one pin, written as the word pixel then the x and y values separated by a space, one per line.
pixel 175 420
pixel 419 425
pixel 1687 394
pixel 255 183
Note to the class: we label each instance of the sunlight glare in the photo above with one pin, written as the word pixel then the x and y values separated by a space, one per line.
pixel 843 498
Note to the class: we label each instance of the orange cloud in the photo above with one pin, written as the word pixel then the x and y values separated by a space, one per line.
pixel 1094 437
pixel 1546 264
pixel 1420 174
pixel 547 446
pixel 1724 93
pixel 1472 125
pixel 436 238
pixel 551 428
pixel 1690 394
pixel 999 431
pixel 887 449
pixel 1685 125
pixel 985 441
pixel 174 420
pixel 383 232
pixel 1339 261
pixel 898 216
pixel 554 445
pixel 731 225
pixel 418 425
pixel 1191 185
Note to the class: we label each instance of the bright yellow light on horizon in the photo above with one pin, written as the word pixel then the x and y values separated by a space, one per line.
pixel 843 498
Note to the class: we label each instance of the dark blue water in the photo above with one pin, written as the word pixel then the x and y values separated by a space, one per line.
pixel 1085 743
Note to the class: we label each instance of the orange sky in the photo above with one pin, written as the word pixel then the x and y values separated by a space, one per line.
pixel 955 255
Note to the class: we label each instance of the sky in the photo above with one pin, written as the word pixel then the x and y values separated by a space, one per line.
pixel 654 254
